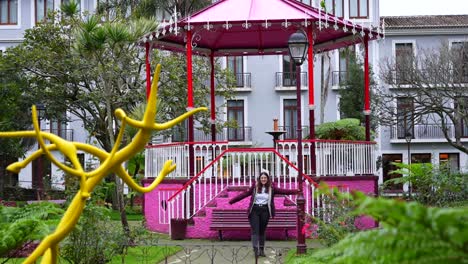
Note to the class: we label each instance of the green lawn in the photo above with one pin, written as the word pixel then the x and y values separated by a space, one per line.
pixel 135 255
pixel 115 215
pixel 146 254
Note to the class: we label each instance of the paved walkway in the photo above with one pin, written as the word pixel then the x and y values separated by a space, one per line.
pixel 222 252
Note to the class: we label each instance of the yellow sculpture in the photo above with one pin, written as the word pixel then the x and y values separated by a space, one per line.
pixel 110 163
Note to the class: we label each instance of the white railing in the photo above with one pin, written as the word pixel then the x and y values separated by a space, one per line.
pixel 218 167
pixel 168 211
pixel 157 155
pixel 333 157
pixel 424 131
pixel 236 167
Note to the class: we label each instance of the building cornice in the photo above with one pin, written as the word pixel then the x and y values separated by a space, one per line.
pixel 11 40
pixel 425 31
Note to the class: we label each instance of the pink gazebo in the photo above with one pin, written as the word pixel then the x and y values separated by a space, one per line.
pixel 258 27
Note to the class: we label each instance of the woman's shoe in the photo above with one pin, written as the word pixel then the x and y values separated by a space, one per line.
pixel 261 252
pixel 255 249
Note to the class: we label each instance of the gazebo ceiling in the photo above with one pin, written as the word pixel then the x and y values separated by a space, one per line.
pixel 256 27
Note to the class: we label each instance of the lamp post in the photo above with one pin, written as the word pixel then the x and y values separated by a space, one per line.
pixel 297 45
pixel 408 138
pixel 40 108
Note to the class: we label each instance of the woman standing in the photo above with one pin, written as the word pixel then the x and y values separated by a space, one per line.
pixel 261 208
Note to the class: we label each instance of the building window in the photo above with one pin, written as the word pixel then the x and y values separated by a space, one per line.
pixel 58 128
pixel 235 114
pixel 460 61
pixel 421 158
pixel 388 167
pixel 340 77
pixel 289 71
pixel 358 8
pixel 290 118
pixel 236 65
pixel 404 58
pixel 8 12
pixel 461 112
pixel 405 116
pixel 449 161
pixel 42 8
pixel 335 7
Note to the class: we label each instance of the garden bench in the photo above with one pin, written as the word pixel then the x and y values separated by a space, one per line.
pixel 236 219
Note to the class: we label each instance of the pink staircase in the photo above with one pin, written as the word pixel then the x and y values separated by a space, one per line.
pixel 199 226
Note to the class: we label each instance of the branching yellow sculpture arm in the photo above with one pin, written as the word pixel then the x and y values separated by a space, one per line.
pixel 110 162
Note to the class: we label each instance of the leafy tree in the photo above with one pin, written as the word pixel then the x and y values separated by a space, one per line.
pixel 87 67
pixel 435 80
pixel 352 90
pixel 15 115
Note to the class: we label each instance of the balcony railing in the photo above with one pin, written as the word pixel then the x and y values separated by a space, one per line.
pixel 291 132
pixel 426 131
pixel 227 134
pixel 339 78
pixel 288 79
pixel 66 134
pixel 243 80
pixel 410 76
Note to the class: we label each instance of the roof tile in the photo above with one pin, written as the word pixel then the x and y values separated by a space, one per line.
pixel 438 21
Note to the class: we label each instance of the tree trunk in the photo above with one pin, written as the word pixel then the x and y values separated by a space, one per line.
pixel 118 197
pixel 324 84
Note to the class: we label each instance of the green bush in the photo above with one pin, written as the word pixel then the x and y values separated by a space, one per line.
pixel 344 129
pixel 432 186
pixel 18 225
pixel 409 233
pixel 332 222
pixel 95 239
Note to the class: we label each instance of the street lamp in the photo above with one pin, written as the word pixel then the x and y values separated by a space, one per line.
pixel 297 45
pixel 408 138
pixel 40 108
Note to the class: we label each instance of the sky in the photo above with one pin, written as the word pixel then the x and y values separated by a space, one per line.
pixel 423 7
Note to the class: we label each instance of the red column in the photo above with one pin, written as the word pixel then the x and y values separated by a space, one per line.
pixel 212 96
pixel 366 87
pixel 190 103
pixel 310 61
pixel 148 70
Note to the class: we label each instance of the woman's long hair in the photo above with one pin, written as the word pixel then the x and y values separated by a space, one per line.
pixel 259 183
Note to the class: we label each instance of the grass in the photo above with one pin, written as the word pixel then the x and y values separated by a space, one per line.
pixel 135 255
pixel 292 258
pixel 115 215
pixel 146 254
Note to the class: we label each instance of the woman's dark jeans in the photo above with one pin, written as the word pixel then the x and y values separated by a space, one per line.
pixel 258 219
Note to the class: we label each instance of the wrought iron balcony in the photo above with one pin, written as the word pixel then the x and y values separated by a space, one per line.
pixel 243 80
pixel 66 134
pixel 412 76
pixel 288 79
pixel 426 131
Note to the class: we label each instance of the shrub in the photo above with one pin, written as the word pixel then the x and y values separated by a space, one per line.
pixel 20 225
pixel 344 129
pixel 95 239
pixel 432 186
pixel 409 233
pixel 333 221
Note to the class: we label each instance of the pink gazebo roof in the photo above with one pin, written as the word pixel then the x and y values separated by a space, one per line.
pixel 256 27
